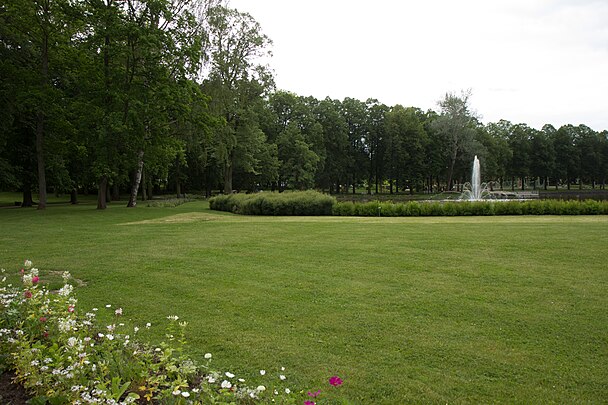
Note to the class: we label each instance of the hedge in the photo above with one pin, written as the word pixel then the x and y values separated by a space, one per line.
pixel 286 203
pixel 314 203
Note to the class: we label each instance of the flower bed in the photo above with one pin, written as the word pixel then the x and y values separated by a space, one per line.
pixel 61 355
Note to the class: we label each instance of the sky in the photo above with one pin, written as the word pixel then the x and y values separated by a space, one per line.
pixel 527 61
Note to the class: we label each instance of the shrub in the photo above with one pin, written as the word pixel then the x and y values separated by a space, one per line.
pixel 286 203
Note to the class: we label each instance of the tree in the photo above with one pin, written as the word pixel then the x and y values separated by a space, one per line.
pixel 336 145
pixel 566 157
pixel 34 35
pixel 456 125
pixel 376 143
pixel 406 143
pixel 236 80
pixel 542 156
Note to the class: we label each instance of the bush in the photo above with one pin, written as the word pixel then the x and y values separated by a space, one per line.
pixel 286 203
pixel 313 203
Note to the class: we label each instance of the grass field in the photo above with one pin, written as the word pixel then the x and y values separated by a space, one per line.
pixel 431 310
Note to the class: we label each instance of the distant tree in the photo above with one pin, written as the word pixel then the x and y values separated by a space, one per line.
pixel 376 143
pixel 406 143
pixel 236 80
pixel 566 156
pixel 542 156
pixel 456 125
pixel 519 138
pixel 336 145
pixel 356 116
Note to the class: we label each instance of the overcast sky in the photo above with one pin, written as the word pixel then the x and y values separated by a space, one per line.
pixel 527 61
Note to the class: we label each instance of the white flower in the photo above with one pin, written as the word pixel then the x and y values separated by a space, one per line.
pixel 135 329
pixel 176 392
pixel 72 341
pixel 27 263
pixel 195 390
pixel 108 305
pixel 65 290
pixel 282 368
pixel 100 335
pixel 241 380
pixel 261 388
pixel 118 311
pixel 229 374
pixel 185 394
pixel 282 377
pixel 211 379
pixel 34 272
pixel 148 325
pixel 208 355
pixel 262 372
pixel 226 384
pixel 95 309
pixel 27 279
pixel 287 391
pixel 66 275
pixel 110 337
pixel 173 317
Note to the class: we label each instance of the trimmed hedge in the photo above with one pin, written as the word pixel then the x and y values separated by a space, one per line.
pixel 314 203
pixel 286 203
pixel 477 208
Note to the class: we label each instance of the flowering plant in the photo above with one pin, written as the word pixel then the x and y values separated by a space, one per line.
pixel 61 355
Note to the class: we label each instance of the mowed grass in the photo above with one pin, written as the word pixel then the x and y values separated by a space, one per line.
pixel 405 310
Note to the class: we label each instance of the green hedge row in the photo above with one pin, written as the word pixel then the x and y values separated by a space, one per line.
pixel 479 208
pixel 314 203
pixel 286 203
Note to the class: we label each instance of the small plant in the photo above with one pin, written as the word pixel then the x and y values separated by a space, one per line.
pixel 61 355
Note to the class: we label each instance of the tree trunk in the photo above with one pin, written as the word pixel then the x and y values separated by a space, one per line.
pixel 27 196
pixel 144 197
pixel 115 192
pixel 150 189
pixel 228 179
pixel 74 196
pixel 102 192
pixel 512 183
pixel 44 70
pixel 136 180
pixel 451 168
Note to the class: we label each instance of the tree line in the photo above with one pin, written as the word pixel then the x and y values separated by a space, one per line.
pixel 144 96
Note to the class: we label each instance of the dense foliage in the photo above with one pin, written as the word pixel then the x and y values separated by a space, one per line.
pixel 313 203
pixel 465 208
pixel 288 203
pixel 172 95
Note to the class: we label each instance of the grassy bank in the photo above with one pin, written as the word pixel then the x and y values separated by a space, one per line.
pixel 467 309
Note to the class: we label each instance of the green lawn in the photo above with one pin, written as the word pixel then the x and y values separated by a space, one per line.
pixel 468 309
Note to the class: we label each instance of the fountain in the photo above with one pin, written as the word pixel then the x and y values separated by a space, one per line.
pixel 476 190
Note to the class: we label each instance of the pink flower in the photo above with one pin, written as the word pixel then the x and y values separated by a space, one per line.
pixel 35 279
pixel 22 271
pixel 314 394
pixel 309 403
pixel 27 294
pixel 43 319
pixel 70 308
pixel 335 381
